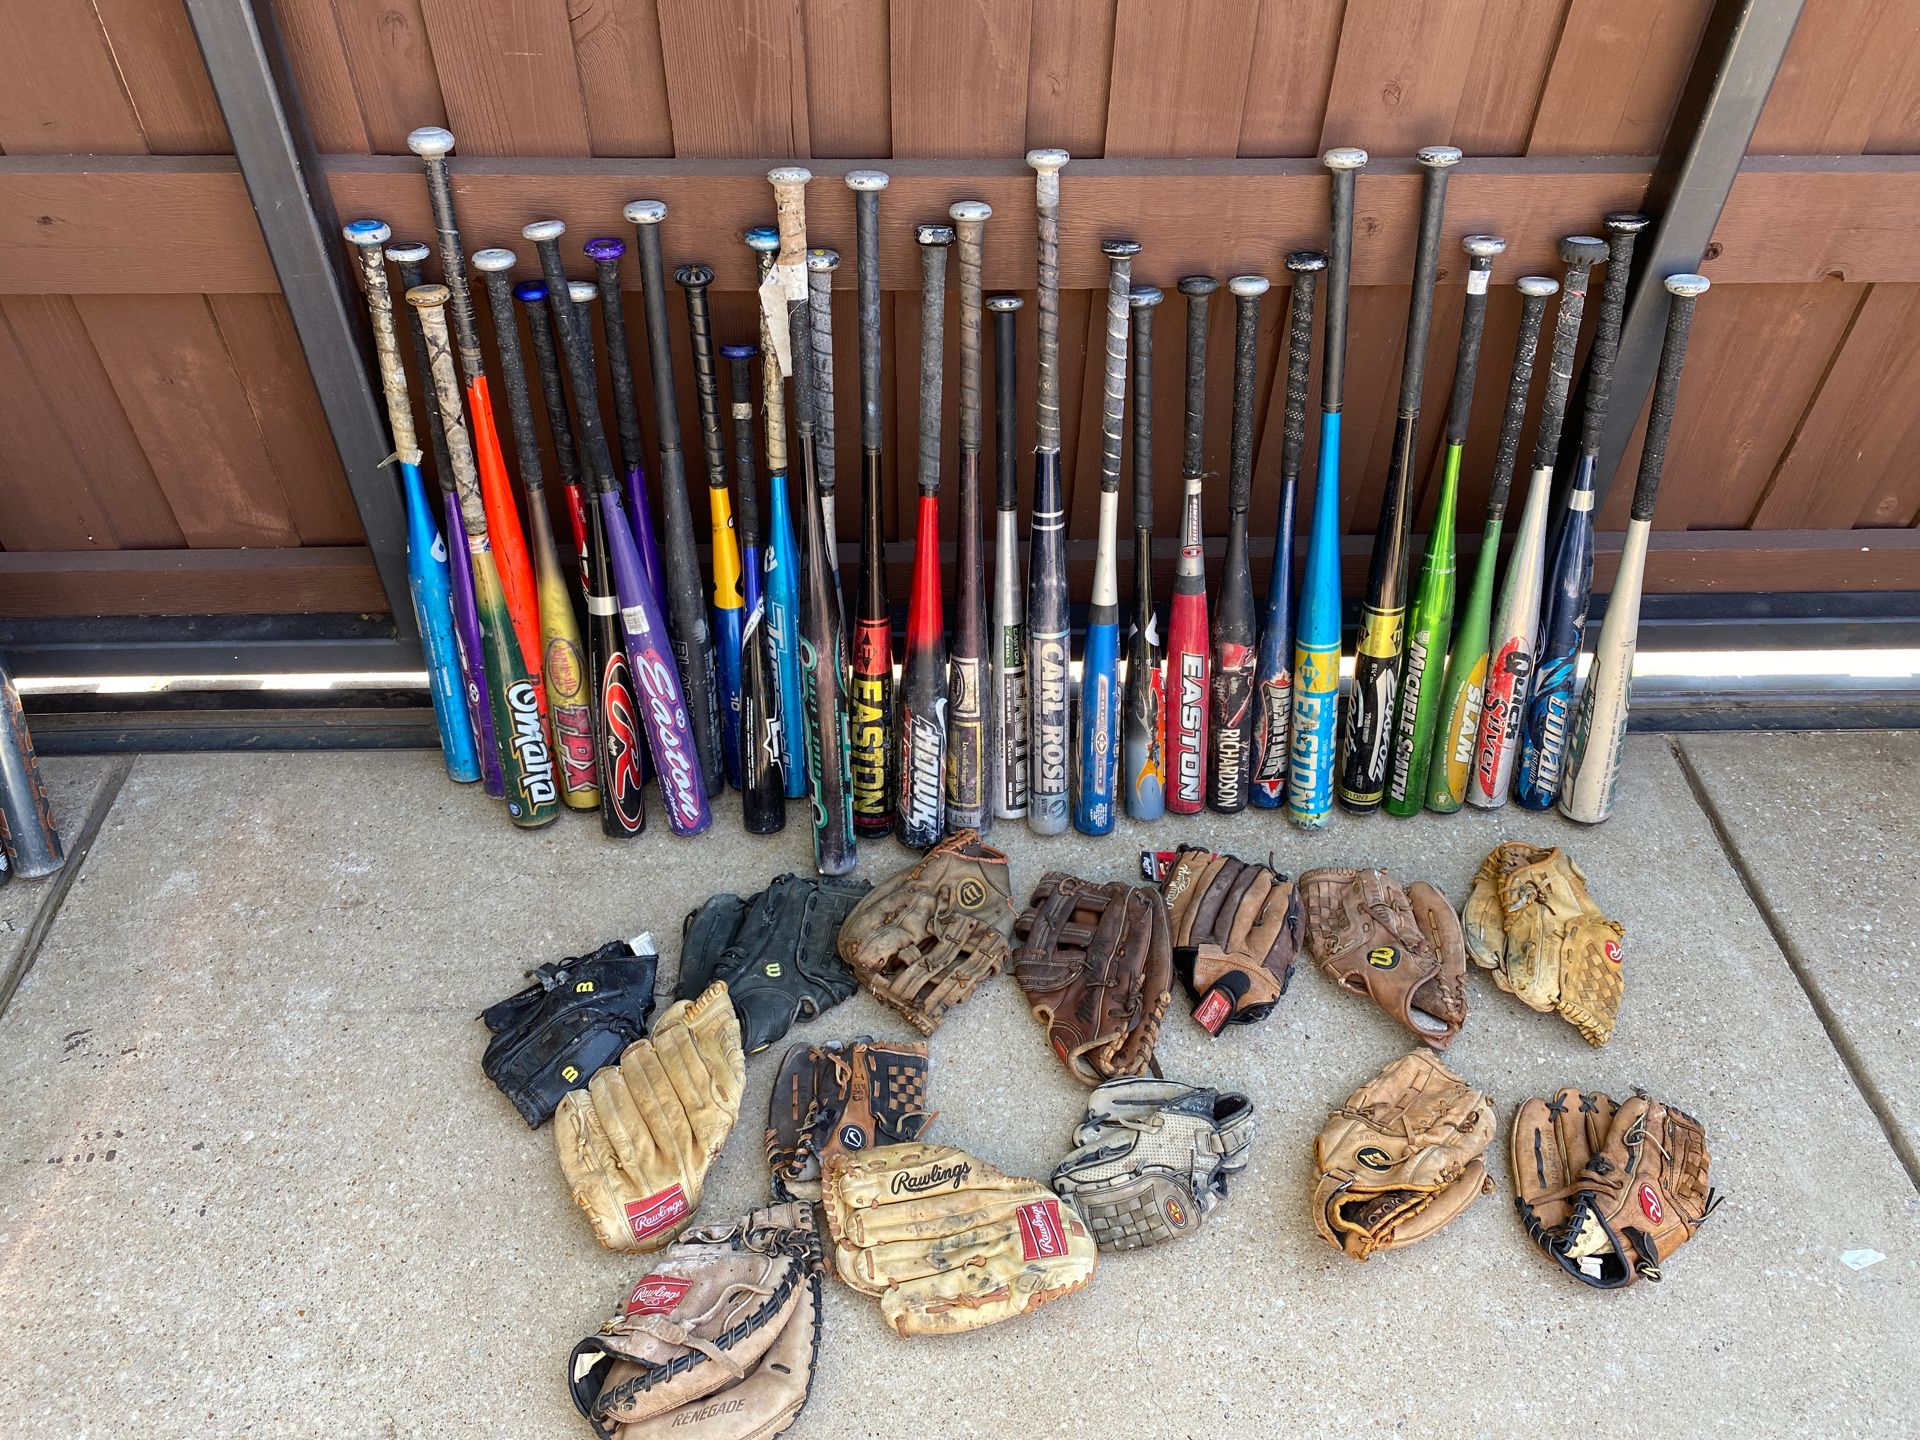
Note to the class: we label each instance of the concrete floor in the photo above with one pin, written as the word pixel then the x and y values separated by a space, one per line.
pixel 255 1184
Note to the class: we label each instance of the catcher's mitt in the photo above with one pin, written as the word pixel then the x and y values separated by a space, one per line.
pixel 1400 948
pixel 922 941
pixel 1153 1159
pixel 1530 920
pixel 636 1143
pixel 775 953
pixel 1401 1158
pixel 838 1098
pixel 946 1241
pixel 1096 963
pixel 1236 932
pixel 717 1341
pixel 1610 1192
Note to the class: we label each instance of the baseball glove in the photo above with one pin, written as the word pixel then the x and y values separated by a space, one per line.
pixel 1610 1192
pixel 946 1241
pixel 838 1098
pixel 717 1341
pixel 1236 931
pixel 1400 948
pixel 775 952
pixel 1530 920
pixel 1096 963
pixel 636 1143
pixel 1153 1159
pixel 922 941
pixel 1402 1157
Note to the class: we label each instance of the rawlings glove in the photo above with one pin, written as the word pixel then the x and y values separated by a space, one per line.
pixel 1400 948
pixel 946 1241
pixel 1153 1159
pixel 1236 931
pixel 1530 920
pixel 716 1342
pixel 775 953
pixel 1610 1192
pixel 636 1143
pixel 922 941
pixel 1096 964
pixel 836 1098
pixel 1401 1158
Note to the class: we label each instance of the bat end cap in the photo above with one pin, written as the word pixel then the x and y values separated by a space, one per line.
pixel 367 232
pixel 970 211
pixel 1249 287
pixel 821 259
pixel 867 180
pixel 1344 157
pixel 530 290
pixel 408 252
pixel 1047 162
pixel 1439 157
pixel 694 276
pixel 1143 296
pixel 1198 285
pixel 492 259
pixel 645 212
pixel 430 142
pixel 789 175
pixel 738 351
pixel 1628 222
pixel 1306 262
pixel 604 247
pixel 1119 249
pixel 1687 286
pixel 582 292
pixel 1008 303
pixel 1483 247
pixel 1537 287
pixel 762 237
pixel 933 234
pixel 540 230
pixel 1583 250
pixel 428 297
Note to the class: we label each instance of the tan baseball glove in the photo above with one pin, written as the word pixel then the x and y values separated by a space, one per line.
pixel 1530 920
pixel 1400 948
pixel 1236 933
pixel 1096 963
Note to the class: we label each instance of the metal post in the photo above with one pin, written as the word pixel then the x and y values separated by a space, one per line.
pixel 255 88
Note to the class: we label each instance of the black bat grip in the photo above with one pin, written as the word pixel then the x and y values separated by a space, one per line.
pixel 1145 301
pixel 1196 288
pixel 1526 345
pixel 800 337
pixel 548 364
pixel 1473 327
pixel 866 206
pixel 934 240
pixel 466 330
pixel 1333 342
pixel 659 339
pixel 576 348
pixel 519 399
pixel 745 482
pixel 694 280
pixel 1113 386
pixel 1006 410
pixel 1437 161
pixel 820 268
pixel 1666 389
pixel 1246 357
pixel 613 316
pixel 1606 334
pixel 1580 253
pixel 1306 266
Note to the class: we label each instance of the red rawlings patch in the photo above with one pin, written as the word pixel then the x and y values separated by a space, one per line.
pixel 1650 1205
pixel 1613 951
pixel 1212 1012
pixel 656 1295
pixel 659 1212
pixel 1042 1236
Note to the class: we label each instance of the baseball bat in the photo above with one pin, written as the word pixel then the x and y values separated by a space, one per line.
pixel 821 265
pixel 1143 754
pixel 409 260
pixel 1230 719
pixel 871 723
pixel 29 838
pixel 1430 621
pixel 1451 762
pixel 1545 726
pixel 562 657
pixel 923 683
pixel 970 718
pixel 1188 657
pixel 526 761
pixel 1047 673
pixel 680 562
pixel 1273 667
pixel 428 579
pixel 1510 666
pixel 1316 644
pixel 1009 657
pixel 1600 733
pixel 729 594
pixel 822 641
pixel 782 556
pixel 763 788
pixel 606 251
pixel 532 294
pixel 433 144
pixel 1367 735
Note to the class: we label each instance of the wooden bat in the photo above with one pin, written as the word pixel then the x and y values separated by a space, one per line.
pixel 970 716
pixel 1188 659
pixel 1143 752
pixel 1230 723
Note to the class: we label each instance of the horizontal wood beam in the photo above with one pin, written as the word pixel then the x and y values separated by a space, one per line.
pixel 183 224
pixel 320 579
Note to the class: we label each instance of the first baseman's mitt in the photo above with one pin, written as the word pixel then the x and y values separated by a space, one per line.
pixel 1530 920
pixel 922 941
pixel 1401 1158
pixel 1400 948
pixel 1153 1159
pixel 1096 963
pixel 636 1143
pixel 716 1342
pixel 775 953
pixel 946 1241
pixel 842 1098
pixel 1610 1192
pixel 1236 932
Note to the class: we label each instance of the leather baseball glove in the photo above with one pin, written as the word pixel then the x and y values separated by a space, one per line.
pixel 636 1143
pixel 1402 1157
pixel 1236 932
pixel 716 1342
pixel 1153 1159
pixel 1096 963
pixel 1610 1192
pixel 922 941
pixel 775 952
pixel 1400 948
pixel 842 1098
pixel 946 1241
pixel 1530 920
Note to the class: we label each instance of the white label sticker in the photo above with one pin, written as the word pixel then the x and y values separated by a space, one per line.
pixel 1477 281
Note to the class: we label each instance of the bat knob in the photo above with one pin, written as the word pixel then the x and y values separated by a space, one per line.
pixel 1438 157
pixel 933 234
pixel 824 260
pixel 492 259
pixel 1142 297
pixel 430 142
pixel 1120 249
pixel 1306 262
pixel 1048 162
pixel 864 180
pixel 645 212
pixel 1687 286
pixel 1584 250
pixel 531 291
pixel 739 352
pixel 605 249
pixel 408 252
pixel 695 276
pixel 1007 303
pixel 1627 222
pixel 542 230
pixel 969 211
pixel 762 237
pixel 1483 247
pixel 1537 287
pixel 1199 285
pixel 1249 287
pixel 582 292
pixel 367 232
pixel 783 175
pixel 428 297
pixel 1344 157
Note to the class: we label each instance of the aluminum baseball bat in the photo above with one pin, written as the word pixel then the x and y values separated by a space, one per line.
pixel 1009 673
pixel 763 787
pixel 1189 659
pixel 606 252
pixel 970 716
pixel 28 836
pixel 870 725
pixel 923 684
pixel 1143 752
pixel 1230 723
pixel 1047 672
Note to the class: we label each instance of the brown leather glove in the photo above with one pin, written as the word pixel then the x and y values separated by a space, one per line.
pixel 1402 949
pixel 839 1098
pixel 1096 962
pixel 1236 931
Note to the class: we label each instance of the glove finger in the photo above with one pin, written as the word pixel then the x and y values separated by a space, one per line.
pixel 592 1168
pixel 1247 908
